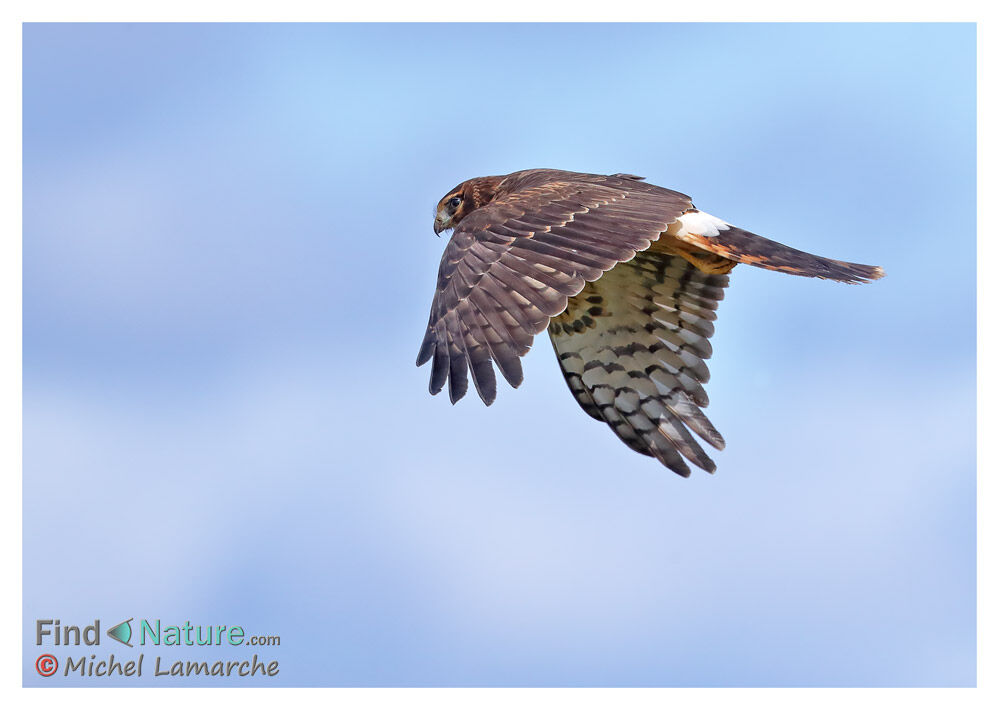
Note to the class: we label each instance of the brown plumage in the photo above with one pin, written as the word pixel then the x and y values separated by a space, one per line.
pixel 626 276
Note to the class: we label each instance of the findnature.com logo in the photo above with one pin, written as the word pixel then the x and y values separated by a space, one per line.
pixel 155 633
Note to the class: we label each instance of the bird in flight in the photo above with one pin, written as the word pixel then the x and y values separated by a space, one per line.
pixel 625 275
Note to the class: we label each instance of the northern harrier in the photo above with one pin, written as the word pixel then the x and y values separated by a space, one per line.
pixel 626 276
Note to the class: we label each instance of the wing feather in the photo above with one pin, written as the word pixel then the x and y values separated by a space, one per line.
pixel 631 354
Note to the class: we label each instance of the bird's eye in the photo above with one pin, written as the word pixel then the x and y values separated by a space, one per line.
pixel 454 202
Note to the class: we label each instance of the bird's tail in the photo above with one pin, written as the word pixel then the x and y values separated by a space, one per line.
pixel 711 234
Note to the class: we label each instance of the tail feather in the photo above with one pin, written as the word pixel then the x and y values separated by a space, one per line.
pixel 711 234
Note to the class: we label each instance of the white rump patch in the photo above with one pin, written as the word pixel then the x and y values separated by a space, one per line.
pixel 700 223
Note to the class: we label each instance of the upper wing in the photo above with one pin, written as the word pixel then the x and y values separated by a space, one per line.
pixel 512 265
pixel 632 348
pixel 701 230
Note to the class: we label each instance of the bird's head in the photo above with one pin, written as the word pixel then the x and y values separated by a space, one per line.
pixel 459 202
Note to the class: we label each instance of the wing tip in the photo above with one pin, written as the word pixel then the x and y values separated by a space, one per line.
pixel 427 348
pixel 487 389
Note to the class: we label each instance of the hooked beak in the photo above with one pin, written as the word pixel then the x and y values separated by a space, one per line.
pixel 438 225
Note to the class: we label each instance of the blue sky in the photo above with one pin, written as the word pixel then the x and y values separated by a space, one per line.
pixel 228 265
